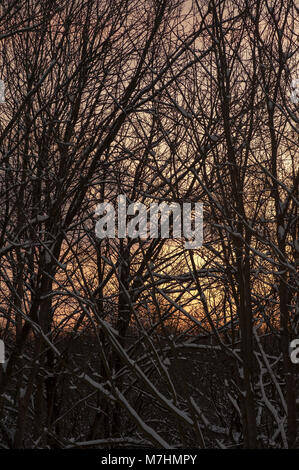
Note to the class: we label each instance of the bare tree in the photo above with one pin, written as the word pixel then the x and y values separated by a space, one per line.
pixel 164 101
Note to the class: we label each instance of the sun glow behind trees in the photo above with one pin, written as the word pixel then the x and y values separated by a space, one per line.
pixel 161 102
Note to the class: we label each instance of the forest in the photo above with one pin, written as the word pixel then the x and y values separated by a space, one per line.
pixel 143 342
